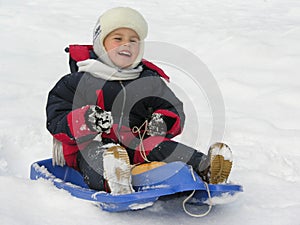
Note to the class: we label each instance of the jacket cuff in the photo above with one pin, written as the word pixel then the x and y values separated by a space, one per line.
pixel 77 123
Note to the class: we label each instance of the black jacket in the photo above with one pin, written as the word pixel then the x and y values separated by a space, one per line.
pixel 131 103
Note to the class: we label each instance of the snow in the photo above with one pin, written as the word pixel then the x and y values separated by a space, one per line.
pixel 251 48
pixel 222 150
pixel 223 199
pixel 140 206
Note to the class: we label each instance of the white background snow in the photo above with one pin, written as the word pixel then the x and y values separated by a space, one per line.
pixel 251 47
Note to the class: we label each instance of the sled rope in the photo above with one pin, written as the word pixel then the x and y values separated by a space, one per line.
pixel 138 130
pixel 191 195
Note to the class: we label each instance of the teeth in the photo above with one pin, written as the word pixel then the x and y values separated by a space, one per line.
pixel 125 53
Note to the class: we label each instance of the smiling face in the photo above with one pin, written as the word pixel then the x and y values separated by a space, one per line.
pixel 122 46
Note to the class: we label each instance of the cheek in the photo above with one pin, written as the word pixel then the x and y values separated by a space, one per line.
pixel 112 53
pixel 110 45
pixel 136 49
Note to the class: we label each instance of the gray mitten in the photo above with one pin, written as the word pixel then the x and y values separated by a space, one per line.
pixel 98 119
pixel 157 125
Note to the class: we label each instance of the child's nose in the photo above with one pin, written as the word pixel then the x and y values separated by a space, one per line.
pixel 126 43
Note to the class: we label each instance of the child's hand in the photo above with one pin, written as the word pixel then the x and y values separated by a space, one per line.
pixel 98 120
pixel 157 125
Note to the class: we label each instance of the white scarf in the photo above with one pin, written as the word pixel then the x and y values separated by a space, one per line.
pixel 101 70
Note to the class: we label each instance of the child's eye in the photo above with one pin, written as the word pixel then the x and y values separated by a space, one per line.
pixel 118 39
pixel 133 40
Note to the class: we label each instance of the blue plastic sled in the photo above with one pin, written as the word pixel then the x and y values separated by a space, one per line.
pixel 175 177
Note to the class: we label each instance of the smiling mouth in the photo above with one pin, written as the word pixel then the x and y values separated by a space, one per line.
pixel 125 53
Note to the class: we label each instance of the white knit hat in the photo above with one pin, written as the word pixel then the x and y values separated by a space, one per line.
pixel 120 17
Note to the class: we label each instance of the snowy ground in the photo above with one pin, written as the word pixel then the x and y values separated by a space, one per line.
pixel 252 49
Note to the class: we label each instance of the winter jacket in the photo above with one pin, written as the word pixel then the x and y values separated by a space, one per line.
pixel 131 102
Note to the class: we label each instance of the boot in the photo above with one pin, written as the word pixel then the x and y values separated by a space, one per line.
pixel 216 166
pixel 117 169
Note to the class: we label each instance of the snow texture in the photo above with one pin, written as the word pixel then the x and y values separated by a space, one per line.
pixel 252 49
pixel 223 151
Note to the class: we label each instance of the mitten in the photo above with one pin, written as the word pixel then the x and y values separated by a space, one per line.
pixel 98 119
pixel 157 125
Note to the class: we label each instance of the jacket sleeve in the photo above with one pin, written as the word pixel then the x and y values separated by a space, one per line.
pixel 65 120
pixel 157 98
pixel 167 104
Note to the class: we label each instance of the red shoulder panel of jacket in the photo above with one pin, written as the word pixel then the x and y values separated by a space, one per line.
pixel 152 66
pixel 80 52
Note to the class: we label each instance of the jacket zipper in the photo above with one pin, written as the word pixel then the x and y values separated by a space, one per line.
pixel 122 112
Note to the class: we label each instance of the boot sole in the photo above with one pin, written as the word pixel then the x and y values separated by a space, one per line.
pixel 220 167
pixel 116 161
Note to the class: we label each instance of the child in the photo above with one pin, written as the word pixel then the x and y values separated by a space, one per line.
pixel 117 110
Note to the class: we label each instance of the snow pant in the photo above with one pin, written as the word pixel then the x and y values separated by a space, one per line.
pixel 90 160
pixel 90 164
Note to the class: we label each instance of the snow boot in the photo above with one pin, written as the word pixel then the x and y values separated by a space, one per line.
pixel 216 166
pixel 117 170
